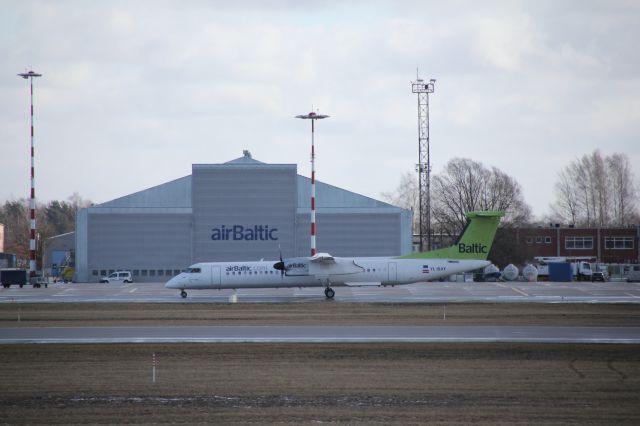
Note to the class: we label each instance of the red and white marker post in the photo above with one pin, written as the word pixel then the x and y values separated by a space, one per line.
pixel 313 117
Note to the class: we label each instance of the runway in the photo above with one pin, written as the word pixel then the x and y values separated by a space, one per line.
pixel 320 334
pixel 434 292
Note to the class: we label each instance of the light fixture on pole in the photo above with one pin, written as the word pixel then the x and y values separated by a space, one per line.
pixel 32 203
pixel 424 159
pixel 313 117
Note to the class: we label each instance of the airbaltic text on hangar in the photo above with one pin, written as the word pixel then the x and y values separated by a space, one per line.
pixel 241 233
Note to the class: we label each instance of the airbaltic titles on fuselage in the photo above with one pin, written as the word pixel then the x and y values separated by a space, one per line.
pixel 240 269
pixel 241 233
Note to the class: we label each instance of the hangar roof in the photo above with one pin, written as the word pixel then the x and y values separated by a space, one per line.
pixel 177 193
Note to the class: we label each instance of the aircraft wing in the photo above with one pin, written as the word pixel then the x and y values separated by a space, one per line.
pixel 322 258
pixel 363 284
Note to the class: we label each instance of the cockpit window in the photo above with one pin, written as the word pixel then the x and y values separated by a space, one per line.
pixel 193 270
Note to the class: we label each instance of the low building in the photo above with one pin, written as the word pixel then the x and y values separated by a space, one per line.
pixel 608 245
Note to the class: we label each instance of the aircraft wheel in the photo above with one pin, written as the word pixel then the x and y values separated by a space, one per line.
pixel 183 294
pixel 329 292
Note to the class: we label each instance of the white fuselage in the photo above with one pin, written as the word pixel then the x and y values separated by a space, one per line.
pixel 368 272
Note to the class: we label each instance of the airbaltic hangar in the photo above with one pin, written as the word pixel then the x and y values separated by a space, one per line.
pixel 239 210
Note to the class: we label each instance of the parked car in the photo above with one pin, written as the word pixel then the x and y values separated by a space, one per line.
pixel 118 277
pixel 599 276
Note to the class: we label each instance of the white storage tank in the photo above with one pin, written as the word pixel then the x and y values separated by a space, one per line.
pixel 530 273
pixel 510 272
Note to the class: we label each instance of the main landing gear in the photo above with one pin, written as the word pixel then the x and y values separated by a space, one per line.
pixel 329 292
pixel 183 294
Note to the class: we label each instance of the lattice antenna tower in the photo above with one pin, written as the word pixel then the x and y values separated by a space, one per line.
pixel 424 160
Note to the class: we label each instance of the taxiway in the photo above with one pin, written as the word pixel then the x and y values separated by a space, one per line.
pixel 320 334
pixel 434 292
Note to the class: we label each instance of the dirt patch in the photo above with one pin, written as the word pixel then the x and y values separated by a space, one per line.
pixel 307 383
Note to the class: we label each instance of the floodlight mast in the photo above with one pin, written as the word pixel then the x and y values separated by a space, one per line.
pixel 313 117
pixel 32 203
pixel 424 161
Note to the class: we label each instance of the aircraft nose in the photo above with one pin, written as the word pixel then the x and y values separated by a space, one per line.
pixel 174 282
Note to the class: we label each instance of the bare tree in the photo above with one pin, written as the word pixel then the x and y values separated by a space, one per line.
pixel 623 191
pixel 596 191
pixel 405 195
pixel 466 185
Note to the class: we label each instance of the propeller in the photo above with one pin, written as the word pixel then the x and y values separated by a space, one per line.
pixel 280 265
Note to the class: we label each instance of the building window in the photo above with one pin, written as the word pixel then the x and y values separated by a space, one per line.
pixel 94 272
pixel 547 240
pixel 538 240
pixel 618 243
pixel 581 243
pixel 144 272
pixel 136 272
pixel 529 240
pixel 176 272
pixel 160 272
pixel 168 272
pixel 103 272
pixel 152 272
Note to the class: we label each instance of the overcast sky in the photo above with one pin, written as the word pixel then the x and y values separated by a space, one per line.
pixel 134 92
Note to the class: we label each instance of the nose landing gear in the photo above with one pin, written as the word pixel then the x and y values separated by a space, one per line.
pixel 183 294
pixel 329 292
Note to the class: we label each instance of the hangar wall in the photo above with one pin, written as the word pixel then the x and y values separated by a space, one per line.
pixel 239 210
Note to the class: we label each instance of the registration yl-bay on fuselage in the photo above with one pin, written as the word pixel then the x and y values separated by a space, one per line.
pixel 323 270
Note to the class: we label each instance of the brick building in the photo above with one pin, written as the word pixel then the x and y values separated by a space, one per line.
pixel 609 245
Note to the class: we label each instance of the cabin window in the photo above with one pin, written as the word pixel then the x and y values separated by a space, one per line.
pixel 193 270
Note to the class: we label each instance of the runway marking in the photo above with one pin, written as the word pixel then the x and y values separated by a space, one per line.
pixel 632 295
pixel 133 290
pixel 520 291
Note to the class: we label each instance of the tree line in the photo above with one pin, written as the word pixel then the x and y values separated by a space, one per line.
pixel 54 218
pixel 591 191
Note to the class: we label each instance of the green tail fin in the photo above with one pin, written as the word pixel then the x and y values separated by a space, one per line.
pixel 473 243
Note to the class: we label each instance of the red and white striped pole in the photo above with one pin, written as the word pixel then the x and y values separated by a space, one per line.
pixel 313 117
pixel 32 203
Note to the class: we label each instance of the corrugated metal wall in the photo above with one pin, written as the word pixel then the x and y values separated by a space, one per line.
pixel 351 234
pixel 144 241
pixel 250 196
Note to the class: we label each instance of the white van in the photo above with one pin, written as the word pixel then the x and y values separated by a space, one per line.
pixel 118 277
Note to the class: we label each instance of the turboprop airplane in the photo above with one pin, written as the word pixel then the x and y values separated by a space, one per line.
pixel 323 270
